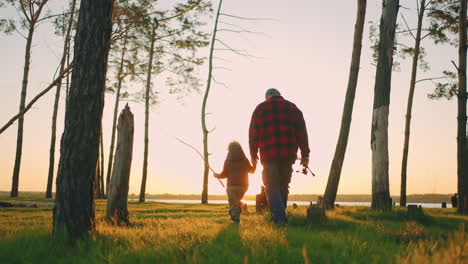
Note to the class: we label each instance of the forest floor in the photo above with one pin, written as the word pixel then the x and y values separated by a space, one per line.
pixel 193 233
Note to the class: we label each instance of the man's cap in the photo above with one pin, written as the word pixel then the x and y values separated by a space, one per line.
pixel 272 92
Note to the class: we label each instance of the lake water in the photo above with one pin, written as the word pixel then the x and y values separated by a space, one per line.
pixel 424 205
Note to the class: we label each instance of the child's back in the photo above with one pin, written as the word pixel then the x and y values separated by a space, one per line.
pixel 236 169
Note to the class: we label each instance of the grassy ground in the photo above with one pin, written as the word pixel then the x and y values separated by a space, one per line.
pixel 192 233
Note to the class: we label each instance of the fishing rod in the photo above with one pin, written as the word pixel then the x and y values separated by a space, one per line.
pixel 305 169
pixel 201 156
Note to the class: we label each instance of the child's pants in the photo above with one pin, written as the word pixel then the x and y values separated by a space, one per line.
pixel 235 195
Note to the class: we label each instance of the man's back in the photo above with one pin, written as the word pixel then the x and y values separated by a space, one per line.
pixel 277 129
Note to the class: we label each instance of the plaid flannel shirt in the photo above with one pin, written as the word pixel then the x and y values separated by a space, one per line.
pixel 278 129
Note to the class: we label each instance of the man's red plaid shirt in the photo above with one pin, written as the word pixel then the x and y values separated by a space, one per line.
pixel 278 129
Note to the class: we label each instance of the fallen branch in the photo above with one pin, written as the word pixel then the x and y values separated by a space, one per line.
pixel 65 72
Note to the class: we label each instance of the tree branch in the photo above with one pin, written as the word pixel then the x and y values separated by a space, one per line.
pixel 220 83
pixel 181 13
pixel 201 155
pixel 456 67
pixel 233 50
pixel 431 79
pixel 30 104
pixel 24 12
pixel 245 18
pixel 242 31
pixel 51 16
pixel 407 26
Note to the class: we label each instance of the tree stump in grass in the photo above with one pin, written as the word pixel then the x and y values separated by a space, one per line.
pixel 117 211
pixel 316 214
pixel 444 205
pixel 414 211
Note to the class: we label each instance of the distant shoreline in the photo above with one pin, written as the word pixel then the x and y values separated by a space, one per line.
pixel 412 198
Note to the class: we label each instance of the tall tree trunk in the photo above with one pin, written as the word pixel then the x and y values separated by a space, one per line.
pixel 147 95
pixel 116 110
pixel 74 203
pixel 117 211
pixel 340 151
pixel 379 132
pixel 462 167
pixel 66 44
pixel 101 180
pixel 409 107
pixel 24 87
pixel 206 155
pixel 67 89
pixel 97 186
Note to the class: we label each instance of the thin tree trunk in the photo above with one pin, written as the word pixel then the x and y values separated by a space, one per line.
pixel 117 211
pixel 101 179
pixel 461 126
pixel 24 87
pixel 74 203
pixel 379 132
pixel 206 171
pixel 97 186
pixel 66 44
pixel 409 107
pixel 116 110
pixel 67 90
pixel 147 95
pixel 340 151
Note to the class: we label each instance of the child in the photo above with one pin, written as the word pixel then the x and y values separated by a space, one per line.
pixel 236 169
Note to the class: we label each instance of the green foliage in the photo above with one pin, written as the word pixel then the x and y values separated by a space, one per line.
pixel 443 19
pixel 192 233
pixel 177 40
pixel 443 29
pixel 447 89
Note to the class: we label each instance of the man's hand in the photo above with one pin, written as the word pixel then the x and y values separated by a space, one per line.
pixel 305 162
pixel 254 161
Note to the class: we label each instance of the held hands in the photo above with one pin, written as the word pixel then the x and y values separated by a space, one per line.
pixel 305 162
pixel 254 162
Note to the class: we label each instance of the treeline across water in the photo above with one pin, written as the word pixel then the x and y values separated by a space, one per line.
pixel 412 198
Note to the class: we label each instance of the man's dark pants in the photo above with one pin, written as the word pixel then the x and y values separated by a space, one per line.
pixel 276 178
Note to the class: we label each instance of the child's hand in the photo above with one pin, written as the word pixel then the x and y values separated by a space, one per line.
pixel 216 175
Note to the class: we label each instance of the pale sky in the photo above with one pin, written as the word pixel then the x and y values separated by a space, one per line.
pixel 306 56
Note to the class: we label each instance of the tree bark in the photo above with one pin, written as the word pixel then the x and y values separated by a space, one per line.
pixel 340 151
pixel 66 44
pixel 409 107
pixel 462 172
pixel 379 132
pixel 116 110
pixel 206 155
pixel 147 95
pixel 117 211
pixel 74 204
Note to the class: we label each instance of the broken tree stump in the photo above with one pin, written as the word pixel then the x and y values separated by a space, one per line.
pixel 117 211
pixel 414 211
pixel 316 213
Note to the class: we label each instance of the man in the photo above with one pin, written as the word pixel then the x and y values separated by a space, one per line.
pixel 277 130
pixel 454 201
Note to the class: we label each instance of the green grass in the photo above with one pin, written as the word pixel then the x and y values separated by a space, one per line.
pixel 192 233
